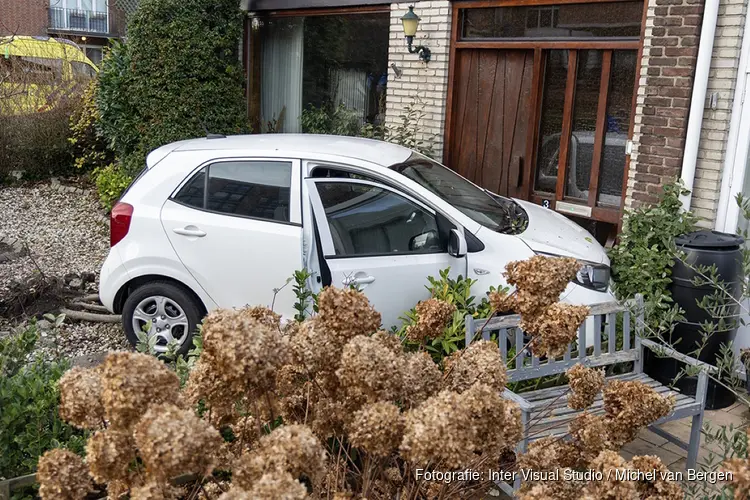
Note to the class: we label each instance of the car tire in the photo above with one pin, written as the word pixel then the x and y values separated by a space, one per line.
pixel 172 311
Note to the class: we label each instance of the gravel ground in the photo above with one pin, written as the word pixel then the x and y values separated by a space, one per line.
pixel 64 234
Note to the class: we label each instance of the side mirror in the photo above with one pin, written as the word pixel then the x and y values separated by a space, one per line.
pixel 457 244
pixel 423 241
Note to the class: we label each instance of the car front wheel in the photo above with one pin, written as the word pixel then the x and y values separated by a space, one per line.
pixel 165 313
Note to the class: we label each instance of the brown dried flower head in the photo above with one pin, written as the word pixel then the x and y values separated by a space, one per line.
pixel 109 454
pixel 377 428
pixel 278 485
pixel 660 488
pixel 432 317
pixel 131 382
pixel 480 363
pixel 205 384
pixel 370 370
pixel 552 490
pixel 244 351
pixel 315 347
pixel 539 281
pixel 62 475
pixel 590 435
pixel 347 313
pixel 554 328
pixel 610 487
pixel 631 405
pixel 263 315
pixel 540 455
pixel 585 383
pixel 501 301
pixel 740 470
pixel 292 449
pixel 154 490
pixel 295 392
pixel 422 378
pixel 81 398
pixel 173 442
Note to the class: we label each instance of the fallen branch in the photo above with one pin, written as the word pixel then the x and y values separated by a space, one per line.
pixel 85 316
pixel 91 307
pixel 90 297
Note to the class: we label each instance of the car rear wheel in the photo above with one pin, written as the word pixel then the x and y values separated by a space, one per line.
pixel 165 312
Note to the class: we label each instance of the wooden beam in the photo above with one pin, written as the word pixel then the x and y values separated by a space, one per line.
pixel 601 127
pixel 310 4
pixel 537 88
pixel 448 134
pixel 558 43
pixel 567 125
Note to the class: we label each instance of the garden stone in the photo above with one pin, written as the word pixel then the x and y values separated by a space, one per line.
pixel 43 325
pixel 75 283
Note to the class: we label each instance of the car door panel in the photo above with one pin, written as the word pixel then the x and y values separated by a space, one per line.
pixel 392 277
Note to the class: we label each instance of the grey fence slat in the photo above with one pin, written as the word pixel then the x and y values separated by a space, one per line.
pixel 582 341
pixel 535 361
pixel 612 331
pixel 470 327
pixel 502 340
pixel 485 334
pixel 597 335
pixel 626 330
pixel 528 372
pixel 513 319
pixel 520 354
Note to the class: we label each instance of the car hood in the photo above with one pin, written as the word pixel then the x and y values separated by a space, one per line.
pixel 550 232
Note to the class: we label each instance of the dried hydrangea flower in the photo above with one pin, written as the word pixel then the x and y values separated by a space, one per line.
pixel 540 455
pixel 131 382
pixel 480 363
pixel 610 486
pixel 205 385
pixel 81 398
pixel 557 490
pixel 347 313
pixel 62 475
pixel 539 281
pixel 390 340
pixel 585 383
pixel 281 485
pixel 660 488
pixel 377 428
pixel 153 490
pixel 422 378
pixel 316 347
pixel 108 454
pixel 370 370
pixel 173 442
pixel 631 405
pixel 555 328
pixel 590 435
pixel 236 493
pixel 512 425
pixel 432 317
pixel 740 482
pixel 330 415
pixel 264 315
pixel 243 351
pixel 293 449
pixel 501 301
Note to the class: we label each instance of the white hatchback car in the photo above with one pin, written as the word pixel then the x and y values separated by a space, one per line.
pixel 225 221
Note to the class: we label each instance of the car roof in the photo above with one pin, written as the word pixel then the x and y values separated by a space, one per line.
pixel 304 146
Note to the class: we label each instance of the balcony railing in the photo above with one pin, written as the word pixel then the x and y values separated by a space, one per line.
pixel 78 20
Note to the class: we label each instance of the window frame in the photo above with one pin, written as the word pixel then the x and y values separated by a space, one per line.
pixel 324 229
pixel 295 212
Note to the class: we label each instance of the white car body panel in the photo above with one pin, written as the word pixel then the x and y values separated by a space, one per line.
pixel 242 260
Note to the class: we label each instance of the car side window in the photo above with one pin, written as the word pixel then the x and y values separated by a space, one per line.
pixel 258 189
pixel 369 220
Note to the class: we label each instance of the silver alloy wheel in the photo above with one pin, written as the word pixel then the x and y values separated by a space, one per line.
pixel 165 319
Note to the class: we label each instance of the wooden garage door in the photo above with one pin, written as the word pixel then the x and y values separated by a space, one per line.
pixel 491 114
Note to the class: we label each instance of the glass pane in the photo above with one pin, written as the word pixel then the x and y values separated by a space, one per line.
pixel 619 106
pixel 252 189
pixel 318 77
pixel 602 20
pixel 367 220
pixel 550 127
pixel 581 149
pixel 192 192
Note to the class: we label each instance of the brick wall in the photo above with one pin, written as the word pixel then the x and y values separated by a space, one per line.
pixel 663 101
pixel 721 81
pixel 23 17
pixel 428 81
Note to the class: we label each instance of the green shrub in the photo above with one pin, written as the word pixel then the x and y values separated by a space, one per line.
pixel 407 132
pixel 642 259
pixel 29 421
pixel 111 181
pixel 329 119
pixel 90 149
pixel 177 77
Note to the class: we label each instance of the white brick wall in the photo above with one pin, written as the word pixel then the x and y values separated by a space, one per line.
pixel 426 81
pixel 721 80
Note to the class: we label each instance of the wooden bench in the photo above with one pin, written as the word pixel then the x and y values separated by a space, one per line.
pixel 545 412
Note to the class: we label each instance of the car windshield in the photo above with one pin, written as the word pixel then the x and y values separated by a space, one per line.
pixel 493 211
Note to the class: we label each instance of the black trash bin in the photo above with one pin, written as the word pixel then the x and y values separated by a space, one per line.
pixel 702 248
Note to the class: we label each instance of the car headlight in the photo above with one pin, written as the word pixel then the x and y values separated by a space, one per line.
pixel 591 275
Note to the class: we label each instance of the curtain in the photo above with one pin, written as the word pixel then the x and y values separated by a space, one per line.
pixel 351 89
pixel 281 75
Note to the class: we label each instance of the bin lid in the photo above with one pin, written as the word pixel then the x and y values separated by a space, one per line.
pixel 708 239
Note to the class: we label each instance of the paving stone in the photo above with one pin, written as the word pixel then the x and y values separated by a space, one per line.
pixel 652 437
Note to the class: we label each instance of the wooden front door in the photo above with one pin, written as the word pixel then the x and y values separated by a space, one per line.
pixel 491 112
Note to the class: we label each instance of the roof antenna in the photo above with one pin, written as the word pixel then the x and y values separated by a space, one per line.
pixel 209 135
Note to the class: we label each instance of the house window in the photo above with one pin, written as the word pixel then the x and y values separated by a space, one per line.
pixel 322 73
pixel 79 15
pixel 95 54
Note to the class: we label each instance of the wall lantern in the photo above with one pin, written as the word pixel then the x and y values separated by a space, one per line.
pixel 411 21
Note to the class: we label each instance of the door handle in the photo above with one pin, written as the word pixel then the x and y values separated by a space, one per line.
pixel 352 280
pixel 190 231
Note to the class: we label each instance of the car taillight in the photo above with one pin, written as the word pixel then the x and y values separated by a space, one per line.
pixel 119 222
